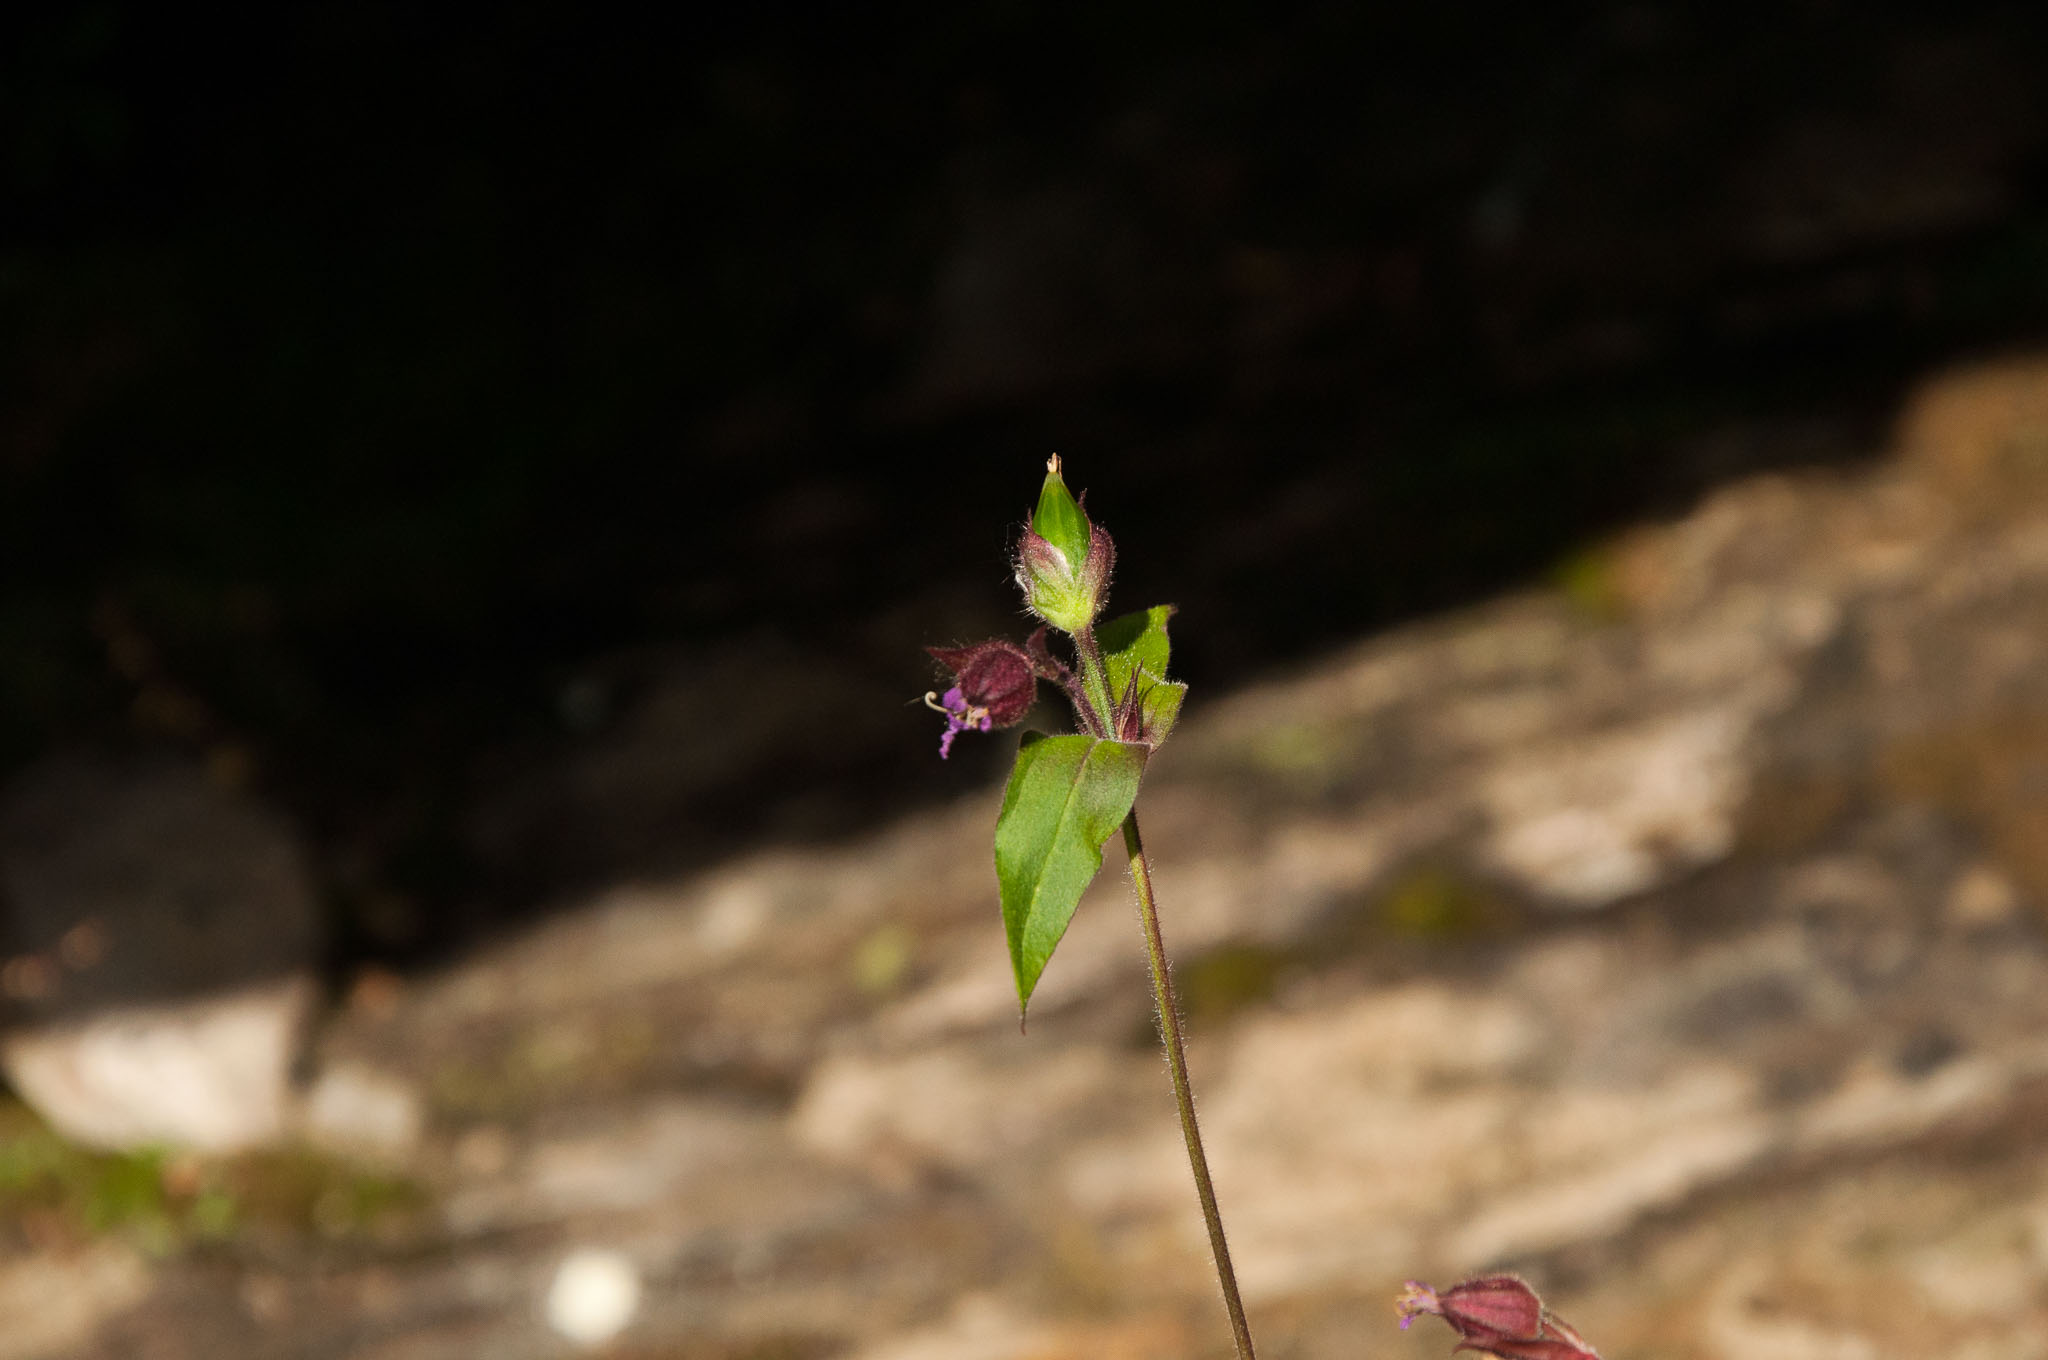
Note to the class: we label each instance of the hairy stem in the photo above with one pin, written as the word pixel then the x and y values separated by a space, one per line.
pixel 1183 1094
pixel 1097 708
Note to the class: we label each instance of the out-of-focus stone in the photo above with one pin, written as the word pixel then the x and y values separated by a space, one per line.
pixel 1982 431
pixel 1745 1322
pixel 1981 896
pixel 983 1327
pixel 53 1304
pixel 1340 1133
pixel 210 1074
pixel 175 926
pixel 356 1110
pixel 1591 821
pixel 953 1107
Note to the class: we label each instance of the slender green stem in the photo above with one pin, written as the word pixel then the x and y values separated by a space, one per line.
pixel 1095 683
pixel 1183 1094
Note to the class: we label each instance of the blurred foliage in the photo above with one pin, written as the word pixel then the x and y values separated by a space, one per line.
pixel 164 1203
pixel 45 1180
pixel 882 961
pixel 1588 580
pixel 1433 902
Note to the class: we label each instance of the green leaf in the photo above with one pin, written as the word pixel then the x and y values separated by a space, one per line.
pixel 1059 521
pixel 1134 642
pixel 1135 651
pixel 1160 701
pixel 1067 795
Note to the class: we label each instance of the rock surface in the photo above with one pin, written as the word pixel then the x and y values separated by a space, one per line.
pixel 1677 940
pixel 159 936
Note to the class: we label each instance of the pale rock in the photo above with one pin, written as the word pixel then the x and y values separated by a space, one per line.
pixel 356 1110
pixel 978 988
pixel 1574 978
pixel 1857 882
pixel 735 1169
pixel 1977 1275
pixel 1736 1330
pixel 952 1105
pixel 210 1074
pixel 975 990
pixel 483 1153
pixel 733 915
pixel 1977 429
pixel 1497 720
pixel 1980 897
pixel 53 1304
pixel 1591 821
pixel 2035 1233
pixel 175 930
pixel 980 1327
pixel 1876 1104
pixel 1336 1134
pixel 1632 1180
pixel 658 1152
pixel 983 1326
pixel 2023 1344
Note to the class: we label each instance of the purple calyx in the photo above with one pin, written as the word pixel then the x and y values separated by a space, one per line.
pixel 994 684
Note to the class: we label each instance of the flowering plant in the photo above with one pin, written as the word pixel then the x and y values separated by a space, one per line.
pixel 1068 794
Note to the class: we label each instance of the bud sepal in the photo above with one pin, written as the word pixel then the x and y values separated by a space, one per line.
pixel 1497 1315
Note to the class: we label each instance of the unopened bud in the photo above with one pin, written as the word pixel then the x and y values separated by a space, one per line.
pixel 1498 1315
pixel 1063 561
pixel 994 685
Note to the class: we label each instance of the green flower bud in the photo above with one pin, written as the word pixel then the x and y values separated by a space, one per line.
pixel 1063 561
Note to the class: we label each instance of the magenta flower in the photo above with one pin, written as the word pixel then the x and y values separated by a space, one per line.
pixel 994 684
pixel 1497 1315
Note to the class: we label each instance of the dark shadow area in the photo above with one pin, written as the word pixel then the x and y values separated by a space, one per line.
pixel 530 449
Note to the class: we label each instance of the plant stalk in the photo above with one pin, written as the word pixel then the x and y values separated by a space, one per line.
pixel 1096 701
pixel 1183 1094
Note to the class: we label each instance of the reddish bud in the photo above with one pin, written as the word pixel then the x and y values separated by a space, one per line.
pixel 994 685
pixel 1497 1315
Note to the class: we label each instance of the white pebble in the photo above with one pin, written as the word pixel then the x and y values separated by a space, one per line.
pixel 594 1295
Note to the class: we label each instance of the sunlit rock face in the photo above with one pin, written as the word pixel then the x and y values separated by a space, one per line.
pixel 1675 940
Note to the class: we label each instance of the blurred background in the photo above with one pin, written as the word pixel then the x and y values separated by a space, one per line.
pixel 475 486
